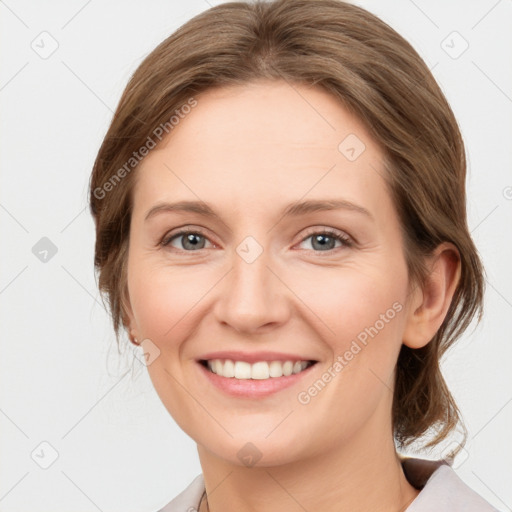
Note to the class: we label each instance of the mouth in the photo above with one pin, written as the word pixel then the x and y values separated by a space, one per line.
pixel 254 376
pixel 259 370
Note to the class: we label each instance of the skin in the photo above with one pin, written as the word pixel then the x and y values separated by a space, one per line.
pixel 249 151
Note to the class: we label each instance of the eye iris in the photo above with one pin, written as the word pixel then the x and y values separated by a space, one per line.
pixel 321 238
pixel 192 239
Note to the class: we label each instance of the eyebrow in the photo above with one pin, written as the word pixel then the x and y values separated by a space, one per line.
pixel 292 210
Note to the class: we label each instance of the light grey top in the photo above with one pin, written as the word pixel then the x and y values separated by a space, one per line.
pixel 442 490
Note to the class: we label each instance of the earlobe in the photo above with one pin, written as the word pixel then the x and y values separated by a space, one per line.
pixel 428 306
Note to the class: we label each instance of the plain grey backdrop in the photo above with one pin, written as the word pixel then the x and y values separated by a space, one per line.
pixel 81 426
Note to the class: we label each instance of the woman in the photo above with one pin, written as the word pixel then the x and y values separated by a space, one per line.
pixel 281 225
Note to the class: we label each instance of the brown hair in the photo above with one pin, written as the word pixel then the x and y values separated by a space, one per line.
pixel 377 76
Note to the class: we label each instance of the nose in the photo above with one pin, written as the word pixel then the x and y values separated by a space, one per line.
pixel 253 297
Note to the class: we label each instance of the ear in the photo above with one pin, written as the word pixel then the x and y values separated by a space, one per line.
pixel 428 305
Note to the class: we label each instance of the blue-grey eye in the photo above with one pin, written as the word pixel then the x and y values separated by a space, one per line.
pixel 187 240
pixel 326 240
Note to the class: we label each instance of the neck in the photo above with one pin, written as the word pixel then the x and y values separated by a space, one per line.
pixel 364 474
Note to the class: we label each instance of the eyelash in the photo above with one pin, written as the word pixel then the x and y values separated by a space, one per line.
pixel 338 236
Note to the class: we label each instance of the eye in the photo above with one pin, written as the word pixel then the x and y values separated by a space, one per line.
pixel 323 241
pixel 189 240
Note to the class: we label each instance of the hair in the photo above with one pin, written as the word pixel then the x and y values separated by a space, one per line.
pixel 378 77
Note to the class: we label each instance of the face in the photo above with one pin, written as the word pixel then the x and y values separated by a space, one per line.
pixel 286 247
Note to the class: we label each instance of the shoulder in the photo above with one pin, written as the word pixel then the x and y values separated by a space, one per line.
pixel 188 499
pixel 441 489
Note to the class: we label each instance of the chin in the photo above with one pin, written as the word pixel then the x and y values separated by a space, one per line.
pixel 254 449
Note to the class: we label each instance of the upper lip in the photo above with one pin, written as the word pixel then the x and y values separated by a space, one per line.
pixel 253 357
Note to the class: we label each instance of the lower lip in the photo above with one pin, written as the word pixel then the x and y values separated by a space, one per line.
pixel 253 388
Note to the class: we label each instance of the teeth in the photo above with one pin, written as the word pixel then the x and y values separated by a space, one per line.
pixel 242 369
pixel 228 370
pixel 259 371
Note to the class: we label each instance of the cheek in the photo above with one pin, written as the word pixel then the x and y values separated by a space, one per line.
pixel 166 303
pixel 365 314
pixel 354 303
pixel 163 298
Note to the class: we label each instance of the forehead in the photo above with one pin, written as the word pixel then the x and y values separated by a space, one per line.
pixel 263 140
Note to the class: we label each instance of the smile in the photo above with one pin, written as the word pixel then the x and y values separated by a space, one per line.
pixel 256 379
pixel 259 370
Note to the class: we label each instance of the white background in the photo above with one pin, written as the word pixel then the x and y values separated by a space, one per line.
pixel 62 379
